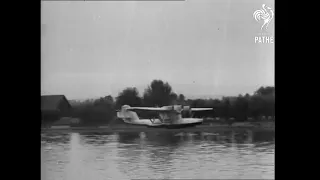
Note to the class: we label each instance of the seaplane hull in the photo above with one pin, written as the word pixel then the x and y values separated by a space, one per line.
pixel 156 123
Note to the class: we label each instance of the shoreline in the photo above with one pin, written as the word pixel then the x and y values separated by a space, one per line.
pixel 146 129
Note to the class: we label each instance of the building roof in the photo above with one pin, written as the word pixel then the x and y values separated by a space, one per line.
pixel 51 102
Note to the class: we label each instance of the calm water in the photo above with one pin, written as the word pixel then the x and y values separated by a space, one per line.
pixel 98 156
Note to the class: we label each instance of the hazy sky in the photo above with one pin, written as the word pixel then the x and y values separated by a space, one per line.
pixel 201 48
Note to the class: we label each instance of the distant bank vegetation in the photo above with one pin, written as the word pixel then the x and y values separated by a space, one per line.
pixel 158 93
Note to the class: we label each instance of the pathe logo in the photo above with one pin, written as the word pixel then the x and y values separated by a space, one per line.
pixel 263 14
pixel 266 15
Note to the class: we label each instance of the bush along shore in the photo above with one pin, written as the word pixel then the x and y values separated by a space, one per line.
pixel 254 109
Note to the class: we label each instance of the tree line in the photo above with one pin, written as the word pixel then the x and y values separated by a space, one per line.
pixel 159 93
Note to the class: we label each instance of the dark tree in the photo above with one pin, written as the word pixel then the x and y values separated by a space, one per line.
pixel 241 108
pixel 265 91
pixel 129 96
pixel 159 94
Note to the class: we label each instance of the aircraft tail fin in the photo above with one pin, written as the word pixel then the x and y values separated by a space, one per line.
pixel 127 115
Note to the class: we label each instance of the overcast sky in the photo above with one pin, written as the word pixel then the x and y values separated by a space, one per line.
pixel 200 47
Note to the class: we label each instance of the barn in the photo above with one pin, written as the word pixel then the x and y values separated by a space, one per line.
pixel 53 107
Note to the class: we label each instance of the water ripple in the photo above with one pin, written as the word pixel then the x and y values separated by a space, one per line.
pixel 144 155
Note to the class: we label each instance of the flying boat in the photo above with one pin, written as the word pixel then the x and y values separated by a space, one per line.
pixel 168 116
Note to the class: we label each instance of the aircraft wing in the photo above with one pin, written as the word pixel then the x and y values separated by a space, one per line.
pixel 201 109
pixel 148 108
pixel 163 109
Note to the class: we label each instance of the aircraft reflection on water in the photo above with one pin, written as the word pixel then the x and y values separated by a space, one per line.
pixel 172 138
pixel 162 138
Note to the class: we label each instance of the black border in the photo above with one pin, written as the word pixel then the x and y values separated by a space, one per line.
pixel 21 121
pixel 23 141
pixel 293 110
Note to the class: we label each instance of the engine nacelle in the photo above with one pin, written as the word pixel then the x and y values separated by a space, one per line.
pixel 186 108
pixel 180 108
pixel 177 108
